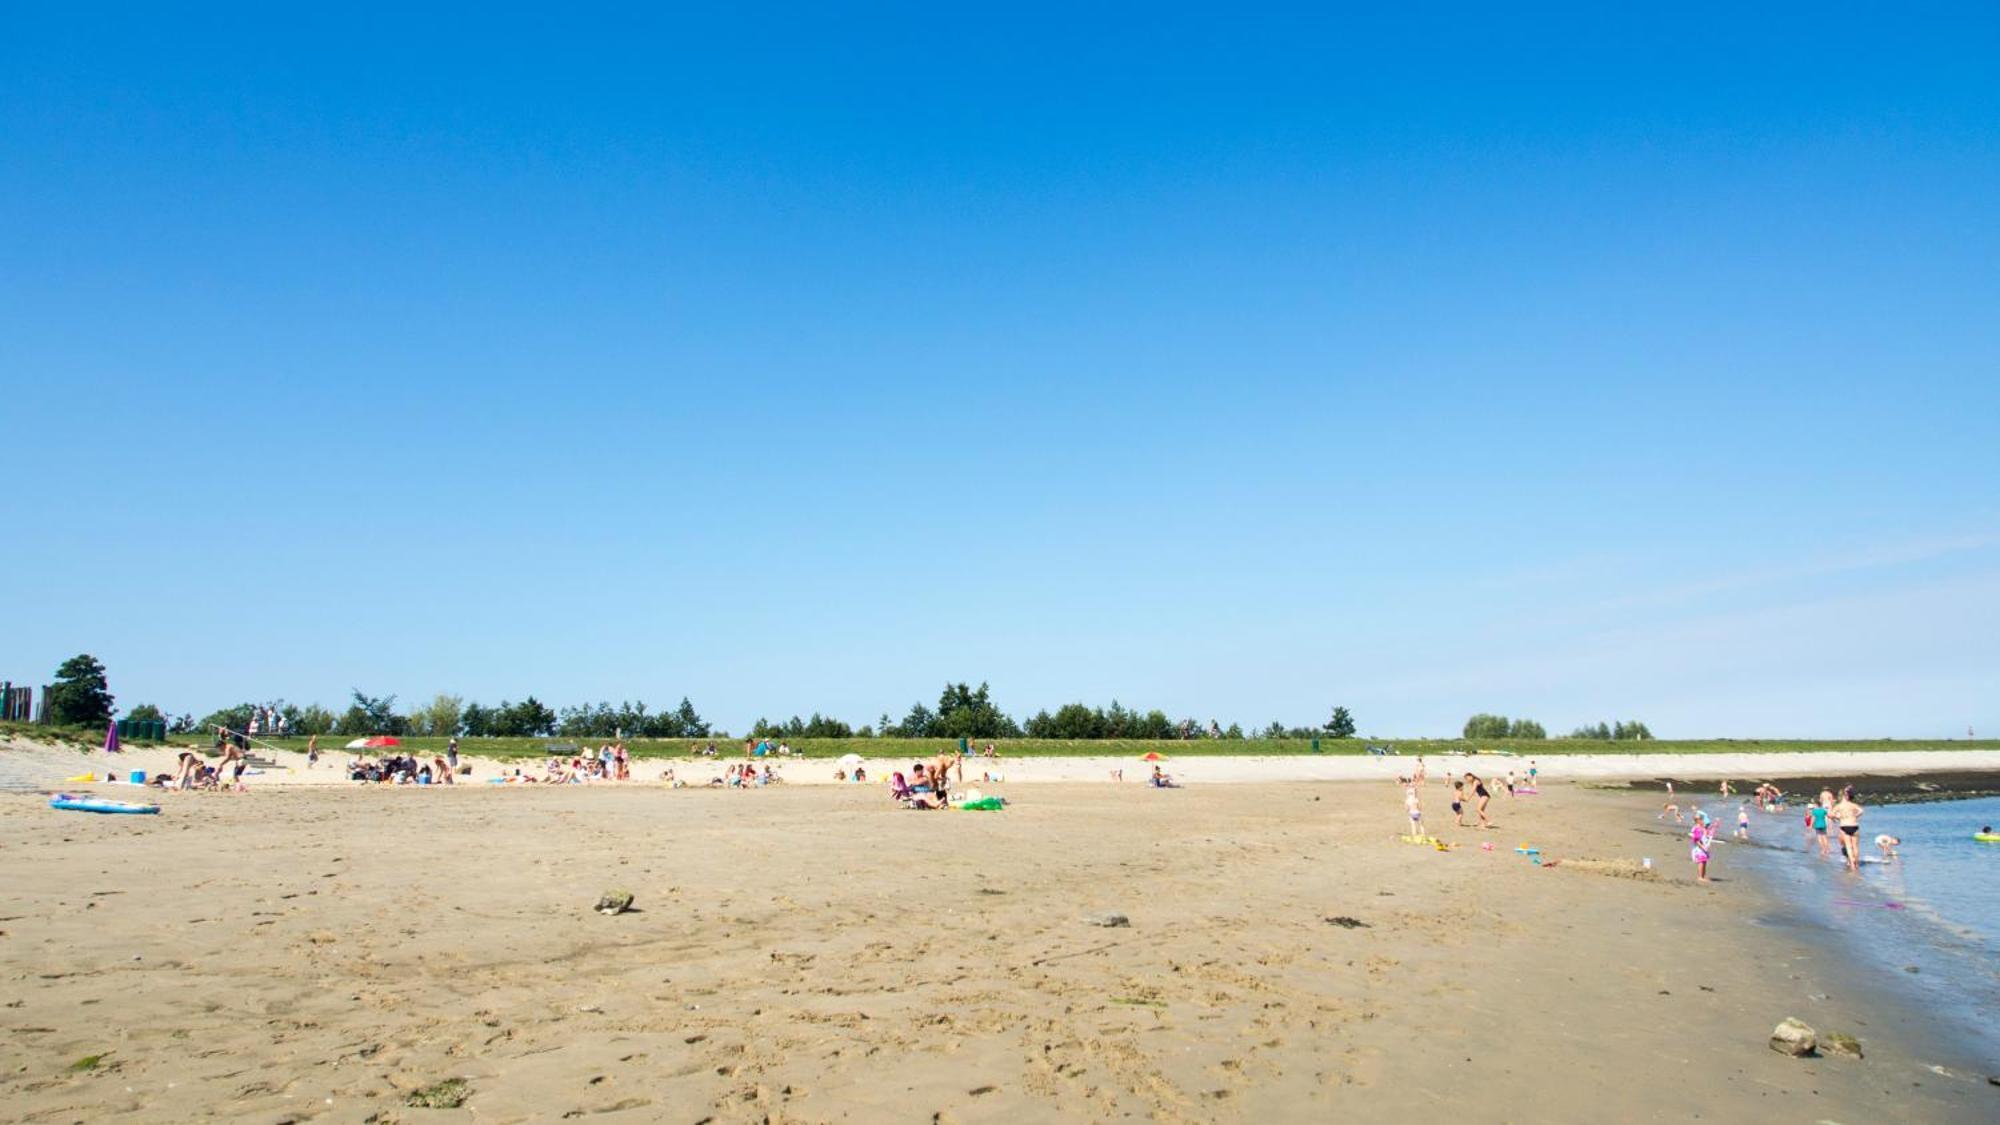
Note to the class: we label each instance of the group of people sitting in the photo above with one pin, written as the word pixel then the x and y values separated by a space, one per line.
pixel 190 772
pixel 740 775
pixel 401 769
pixel 928 784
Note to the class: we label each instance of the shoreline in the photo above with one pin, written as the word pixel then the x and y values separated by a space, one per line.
pixel 1797 905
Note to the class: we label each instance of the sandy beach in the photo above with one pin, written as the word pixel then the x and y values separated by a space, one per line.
pixel 45 766
pixel 805 953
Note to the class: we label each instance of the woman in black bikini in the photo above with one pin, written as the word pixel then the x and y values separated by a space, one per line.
pixel 1480 796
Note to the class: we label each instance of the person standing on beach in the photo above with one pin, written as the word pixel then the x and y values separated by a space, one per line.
pixel 1458 802
pixel 1414 805
pixel 1702 837
pixel 312 751
pixel 1848 815
pixel 451 754
pixel 1480 797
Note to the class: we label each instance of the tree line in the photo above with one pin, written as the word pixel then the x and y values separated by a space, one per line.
pixel 1491 727
pixel 449 716
pixel 81 696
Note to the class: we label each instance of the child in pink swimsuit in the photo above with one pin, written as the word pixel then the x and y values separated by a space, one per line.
pixel 1701 837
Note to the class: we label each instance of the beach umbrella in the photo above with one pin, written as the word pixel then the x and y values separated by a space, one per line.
pixel 1154 756
pixel 111 738
pixel 850 760
pixel 373 743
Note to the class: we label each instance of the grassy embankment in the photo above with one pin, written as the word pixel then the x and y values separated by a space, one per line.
pixel 899 748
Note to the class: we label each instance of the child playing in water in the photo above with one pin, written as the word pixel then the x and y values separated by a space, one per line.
pixel 1742 822
pixel 1702 837
pixel 1887 845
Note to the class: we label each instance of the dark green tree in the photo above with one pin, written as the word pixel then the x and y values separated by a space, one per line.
pixel 80 696
pixel 1483 725
pixel 965 713
pixel 236 718
pixel 1341 725
pixel 689 721
pixel 312 719
pixel 525 719
pixel 367 715
pixel 146 713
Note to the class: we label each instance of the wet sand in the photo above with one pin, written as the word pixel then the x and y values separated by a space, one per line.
pixel 807 953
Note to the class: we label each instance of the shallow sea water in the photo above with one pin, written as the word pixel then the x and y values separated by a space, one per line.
pixel 1927 921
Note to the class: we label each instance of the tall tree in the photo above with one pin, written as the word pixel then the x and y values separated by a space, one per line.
pixel 81 696
pixel 1341 725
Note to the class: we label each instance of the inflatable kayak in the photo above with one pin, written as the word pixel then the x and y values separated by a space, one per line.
pixel 73 803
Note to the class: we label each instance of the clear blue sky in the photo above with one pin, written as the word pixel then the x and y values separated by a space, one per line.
pixel 1565 362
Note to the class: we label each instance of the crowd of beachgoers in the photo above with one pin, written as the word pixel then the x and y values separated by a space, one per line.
pixel 1473 794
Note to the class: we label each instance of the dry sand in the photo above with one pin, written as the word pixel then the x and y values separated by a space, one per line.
pixel 814 954
pixel 50 766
